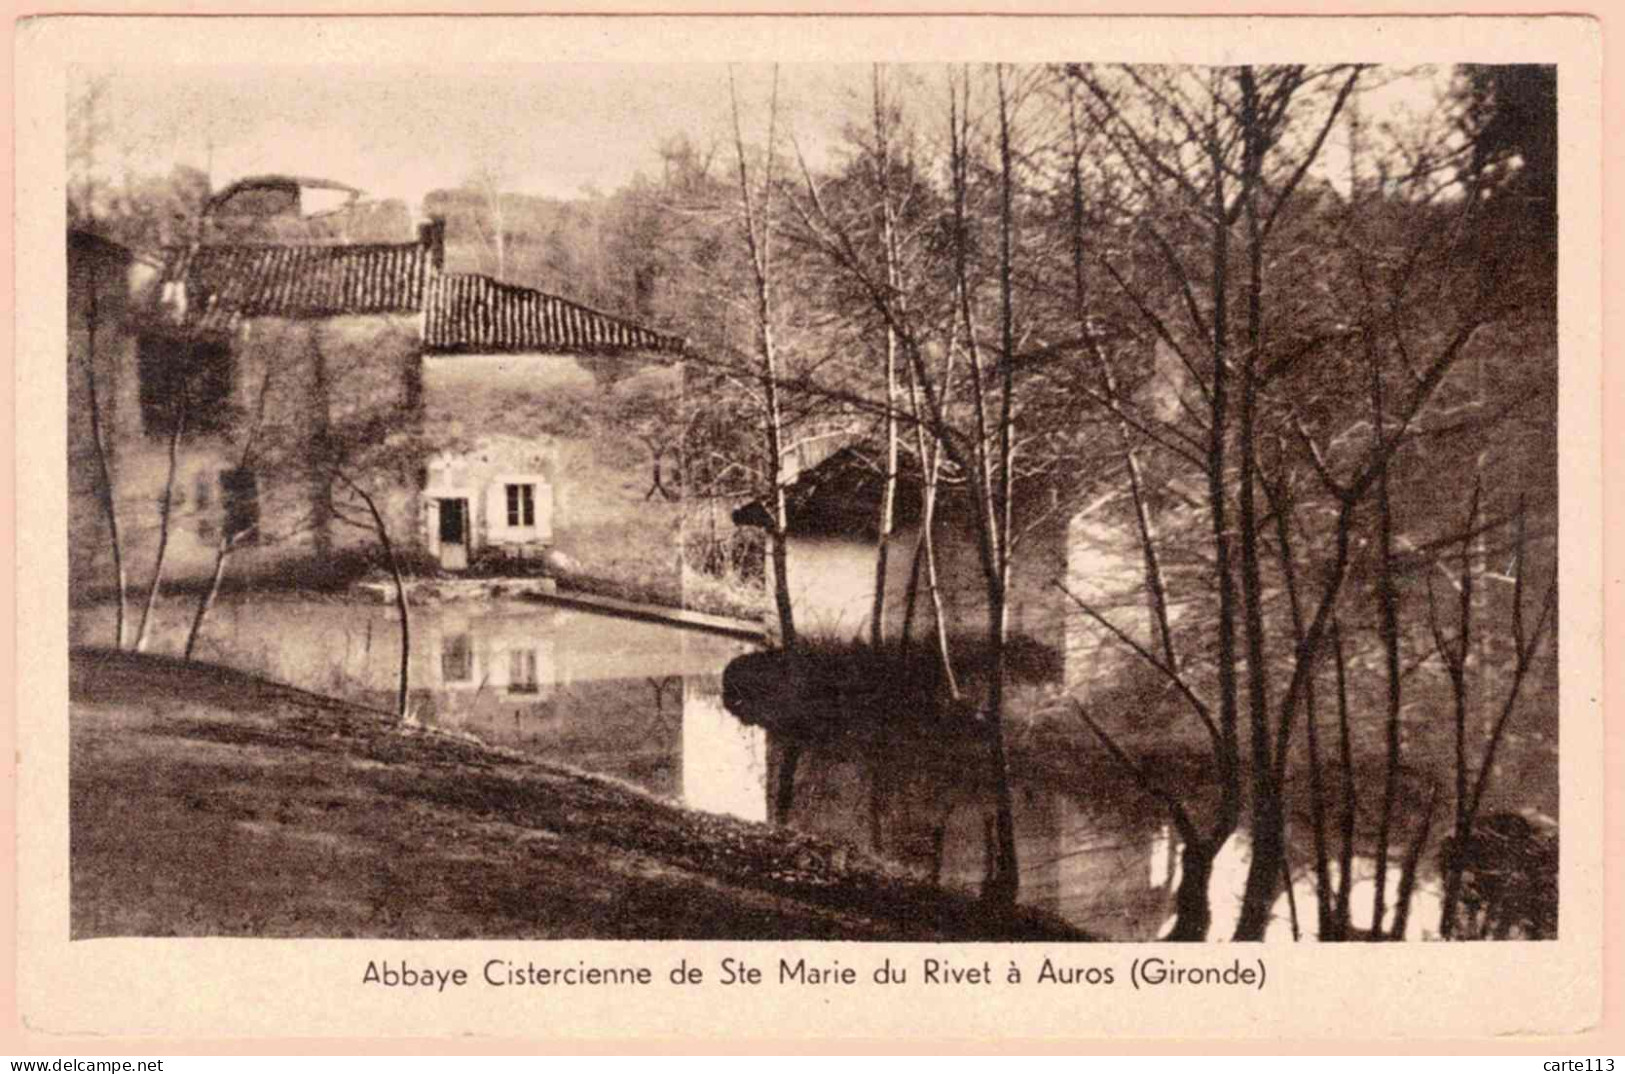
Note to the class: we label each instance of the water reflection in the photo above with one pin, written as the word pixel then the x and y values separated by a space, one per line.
pixel 642 702
pixel 1294 915
pixel 634 700
pixel 725 762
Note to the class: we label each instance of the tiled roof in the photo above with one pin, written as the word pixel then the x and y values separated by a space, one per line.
pixel 464 313
pixel 477 314
pixel 225 283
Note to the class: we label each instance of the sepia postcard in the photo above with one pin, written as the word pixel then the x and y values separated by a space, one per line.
pixel 569 528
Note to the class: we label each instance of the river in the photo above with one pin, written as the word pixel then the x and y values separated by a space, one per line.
pixel 641 702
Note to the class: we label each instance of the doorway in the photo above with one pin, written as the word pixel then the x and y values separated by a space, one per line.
pixel 454 533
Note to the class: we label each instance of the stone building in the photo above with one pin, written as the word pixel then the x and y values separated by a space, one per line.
pixel 833 509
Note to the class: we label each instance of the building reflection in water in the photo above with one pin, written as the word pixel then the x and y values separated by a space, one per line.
pixel 725 762
pixel 642 702
pixel 921 801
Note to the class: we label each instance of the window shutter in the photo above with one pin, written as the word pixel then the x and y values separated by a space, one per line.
pixel 544 511
pixel 496 511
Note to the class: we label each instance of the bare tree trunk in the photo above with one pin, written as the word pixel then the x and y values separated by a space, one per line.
pixel 1280 505
pixel 1351 802
pixel 105 490
pixel 1229 746
pixel 911 593
pixel 785 794
pixel 402 700
pixel 931 465
pixel 888 498
pixel 779 535
pixel 381 531
pixel 228 540
pixel 1268 829
pixel 1526 643
pixel 1193 912
pixel 1455 660
pixel 1407 874
pixel 206 603
pixel 321 411
pixel 1324 897
pixel 1388 629
pixel 165 505
pixel 1156 590
pixel 1004 885
pixel 1003 890
pixel 760 249
pixel 1291 897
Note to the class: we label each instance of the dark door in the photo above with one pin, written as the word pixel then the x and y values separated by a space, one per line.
pixel 453 521
pixel 454 534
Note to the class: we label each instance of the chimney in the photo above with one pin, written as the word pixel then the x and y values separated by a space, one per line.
pixel 432 233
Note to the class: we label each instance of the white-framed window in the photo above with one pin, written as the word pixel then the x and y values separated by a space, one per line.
pixel 518 508
pixel 521 506
pixel 522 672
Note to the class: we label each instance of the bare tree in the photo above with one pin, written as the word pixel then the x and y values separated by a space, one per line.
pixel 1207 155
pixel 373 523
pixel 756 223
pixel 106 494
pixel 1454 652
pixel 86 129
pixel 875 260
pixel 930 452
pixel 994 468
pixel 177 414
pixel 982 446
pixel 882 158
pixel 233 536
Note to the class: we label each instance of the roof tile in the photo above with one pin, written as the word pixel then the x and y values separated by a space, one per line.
pixel 226 283
pixel 470 313
pixel 465 313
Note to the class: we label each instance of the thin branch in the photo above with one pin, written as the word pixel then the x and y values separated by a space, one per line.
pixel 1172 674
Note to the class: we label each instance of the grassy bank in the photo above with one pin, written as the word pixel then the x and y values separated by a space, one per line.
pixel 208 802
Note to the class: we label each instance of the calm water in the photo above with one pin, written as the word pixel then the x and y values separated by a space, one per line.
pixel 642 702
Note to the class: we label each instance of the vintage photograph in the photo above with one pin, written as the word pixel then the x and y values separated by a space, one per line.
pixel 812 501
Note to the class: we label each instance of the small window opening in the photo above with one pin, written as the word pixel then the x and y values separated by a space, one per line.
pixel 239 492
pixel 186 382
pixel 457 658
pixel 521 505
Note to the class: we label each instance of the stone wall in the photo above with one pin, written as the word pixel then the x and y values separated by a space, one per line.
pixel 585 425
pixel 832 583
pixel 832 588
pixel 333 372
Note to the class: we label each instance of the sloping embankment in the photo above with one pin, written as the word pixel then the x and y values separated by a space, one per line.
pixel 205 802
